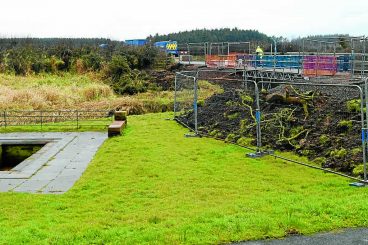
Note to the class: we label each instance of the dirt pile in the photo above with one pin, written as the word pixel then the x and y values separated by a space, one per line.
pixel 163 79
pixel 322 123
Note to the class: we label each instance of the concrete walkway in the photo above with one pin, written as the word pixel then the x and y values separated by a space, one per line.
pixel 56 167
pixel 343 237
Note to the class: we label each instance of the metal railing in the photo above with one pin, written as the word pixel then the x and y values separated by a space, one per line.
pixel 55 118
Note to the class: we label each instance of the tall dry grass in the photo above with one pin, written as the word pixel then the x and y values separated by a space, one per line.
pixel 50 92
pixel 84 92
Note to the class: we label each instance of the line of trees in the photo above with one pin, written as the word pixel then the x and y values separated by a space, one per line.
pixel 214 35
pixel 342 41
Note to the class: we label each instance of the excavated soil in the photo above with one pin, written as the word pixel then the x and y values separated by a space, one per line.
pixel 322 123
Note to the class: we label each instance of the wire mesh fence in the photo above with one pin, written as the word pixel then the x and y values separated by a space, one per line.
pixel 60 118
pixel 185 99
pixel 320 121
pixel 323 120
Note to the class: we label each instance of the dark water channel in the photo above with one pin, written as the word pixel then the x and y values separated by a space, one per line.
pixel 12 155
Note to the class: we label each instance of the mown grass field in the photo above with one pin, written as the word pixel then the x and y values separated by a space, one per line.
pixel 154 186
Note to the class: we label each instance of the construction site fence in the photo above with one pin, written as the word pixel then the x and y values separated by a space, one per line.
pixel 242 103
pixel 309 65
pixel 185 98
pixel 55 118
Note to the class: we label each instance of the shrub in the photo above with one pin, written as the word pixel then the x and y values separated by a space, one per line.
pixel 321 161
pixel 117 68
pixel 230 138
pixel 92 61
pixel 215 133
pixel 324 140
pixel 358 170
pixel 243 141
pixel 357 151
pixel 353 105
pixel 127 85
pixel 233 116
pixel 338 154
pixel 345 125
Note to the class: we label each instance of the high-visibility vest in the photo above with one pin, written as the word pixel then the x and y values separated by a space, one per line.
pixel 259 51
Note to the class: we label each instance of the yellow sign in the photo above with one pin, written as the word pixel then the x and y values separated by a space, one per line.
pixel 171 46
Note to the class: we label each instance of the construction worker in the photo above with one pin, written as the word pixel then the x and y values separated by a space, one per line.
pixel 259 56
pixel 259 52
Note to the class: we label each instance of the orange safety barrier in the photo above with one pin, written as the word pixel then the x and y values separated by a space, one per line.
pixel 221 61
pixel 316 73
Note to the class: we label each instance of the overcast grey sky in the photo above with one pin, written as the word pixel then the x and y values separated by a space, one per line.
pixel 138 18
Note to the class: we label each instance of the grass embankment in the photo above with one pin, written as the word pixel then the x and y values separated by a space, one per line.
pixel 153 185
pixel 82 92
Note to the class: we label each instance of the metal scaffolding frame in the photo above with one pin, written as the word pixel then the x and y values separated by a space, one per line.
pixel 316 57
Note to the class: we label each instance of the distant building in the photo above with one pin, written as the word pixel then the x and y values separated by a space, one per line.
pixel 170 47
pixel 136 42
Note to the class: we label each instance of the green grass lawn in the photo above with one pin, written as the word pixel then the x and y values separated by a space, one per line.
pixel 153 185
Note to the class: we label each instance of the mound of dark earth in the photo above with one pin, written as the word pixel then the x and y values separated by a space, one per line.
pixel 322 123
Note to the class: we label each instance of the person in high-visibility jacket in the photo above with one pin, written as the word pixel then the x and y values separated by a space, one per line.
pixel 259 56
pixel 259 52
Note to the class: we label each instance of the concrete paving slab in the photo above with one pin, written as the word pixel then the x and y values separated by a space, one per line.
pixel 56 167
pixel 58 186
pixel 9 184
pixel 31 186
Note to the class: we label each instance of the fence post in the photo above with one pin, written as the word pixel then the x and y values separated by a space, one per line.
pixel 175 85
pixel 41 114
pixel 195 106
pixel 189 52
pixel 364 131
pixel 5 123
pixel 352 59
pixel 77 119
pixel 258 118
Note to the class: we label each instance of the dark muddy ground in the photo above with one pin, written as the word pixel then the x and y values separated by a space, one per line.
pixel 322 123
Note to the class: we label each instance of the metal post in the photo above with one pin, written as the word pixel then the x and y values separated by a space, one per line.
pixel 317 59
pixel 258 119
pixel 352 59
pixel 363 58
pixel 334 52
pixel 364 131
pixel 41 115
pixel 5 122
pixel 189 52
pixel 258 116
pixel 175 85
pixel 303 57
pixel 245 76
pixel 77 119
pixel 274 57
pixel 195 107
pixel 364 54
